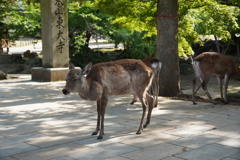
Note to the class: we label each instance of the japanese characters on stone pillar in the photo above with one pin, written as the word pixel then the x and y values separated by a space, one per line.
pixel 59 25
pixel 55 48
pixel 54 33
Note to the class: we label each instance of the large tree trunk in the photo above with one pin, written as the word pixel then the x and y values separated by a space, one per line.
pixel 167 47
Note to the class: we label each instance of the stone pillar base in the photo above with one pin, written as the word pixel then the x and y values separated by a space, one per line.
pixel 48 74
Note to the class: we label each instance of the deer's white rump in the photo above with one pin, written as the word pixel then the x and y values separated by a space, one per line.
pixel 155 65
pixel 96 83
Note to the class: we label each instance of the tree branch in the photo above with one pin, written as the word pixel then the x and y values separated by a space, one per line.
pixel 3 8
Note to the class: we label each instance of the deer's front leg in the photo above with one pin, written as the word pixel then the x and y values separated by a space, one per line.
pixel 226 80
pixel 193 90
pixel 98 118
pixel 134 99
pixel 104 101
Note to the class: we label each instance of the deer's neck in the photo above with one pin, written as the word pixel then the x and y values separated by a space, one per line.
pixel 83 89
pixel 90 90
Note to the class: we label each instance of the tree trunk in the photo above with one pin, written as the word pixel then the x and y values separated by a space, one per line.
pixel 88 36
pixel 217 44
pixel 167 47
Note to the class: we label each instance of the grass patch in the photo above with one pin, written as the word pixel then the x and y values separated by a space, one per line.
pixel 105 50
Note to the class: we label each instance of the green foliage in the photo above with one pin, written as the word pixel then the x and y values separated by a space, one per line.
pixel 82 56
pixel 25 23
pixel 129 22
pixel 196 18
pixel 135 15
pixel 7 6
pixel 205 18
pixel 135 44
pixel 85 21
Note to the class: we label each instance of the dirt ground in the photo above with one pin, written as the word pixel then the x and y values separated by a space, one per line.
pixel 186 86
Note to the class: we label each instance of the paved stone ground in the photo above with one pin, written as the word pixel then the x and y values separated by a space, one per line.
pixel 37 122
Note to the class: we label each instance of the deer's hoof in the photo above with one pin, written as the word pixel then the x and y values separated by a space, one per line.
pixel 225 102
pixel 100 137
pixel 194 103
pixel 94 133
pixel 139 132
pixel 214 103
pixel 133 102
pixel 145 125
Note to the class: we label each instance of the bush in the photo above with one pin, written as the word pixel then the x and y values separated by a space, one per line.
pixel 86 55
pixel 136 45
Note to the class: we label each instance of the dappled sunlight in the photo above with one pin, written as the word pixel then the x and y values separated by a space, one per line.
pixel 38 114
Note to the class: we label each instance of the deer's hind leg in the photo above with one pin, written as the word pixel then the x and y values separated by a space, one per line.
pixel 204 87
pixel 142 98
pixel 220 82
pixel 154 90
pixel 150 101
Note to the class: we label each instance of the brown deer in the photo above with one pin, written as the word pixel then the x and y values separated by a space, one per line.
pixel 97 82
pixel 211 63
pixel 154 88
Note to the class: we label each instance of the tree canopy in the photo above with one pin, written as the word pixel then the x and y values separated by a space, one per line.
pixel 208 17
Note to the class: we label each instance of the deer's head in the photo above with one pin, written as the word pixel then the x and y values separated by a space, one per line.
pixel 76 78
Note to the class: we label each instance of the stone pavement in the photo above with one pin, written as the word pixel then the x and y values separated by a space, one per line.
pixel 38 122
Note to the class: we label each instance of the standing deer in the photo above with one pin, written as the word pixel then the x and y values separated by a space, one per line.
pixel 211 63
pixel 96 83
pixel 154 89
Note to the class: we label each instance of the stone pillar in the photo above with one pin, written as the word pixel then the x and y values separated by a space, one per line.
pixel 55 48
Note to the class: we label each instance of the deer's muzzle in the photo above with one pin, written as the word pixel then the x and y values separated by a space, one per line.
pixel 65 91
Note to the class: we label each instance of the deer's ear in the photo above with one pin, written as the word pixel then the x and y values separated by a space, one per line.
pixel 71 66
pixel 86 69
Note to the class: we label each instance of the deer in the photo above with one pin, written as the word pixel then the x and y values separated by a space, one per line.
pixel 97 82
pixel 154 89
pixel 212 63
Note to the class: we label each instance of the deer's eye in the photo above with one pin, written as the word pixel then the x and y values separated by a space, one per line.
pixel 75 80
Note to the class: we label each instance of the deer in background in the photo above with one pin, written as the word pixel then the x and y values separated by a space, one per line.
pixel 154 89
pixel 98 82
pixel 211 63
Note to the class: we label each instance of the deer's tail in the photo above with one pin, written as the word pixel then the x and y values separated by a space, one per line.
pixel 154 89
pixel 197 70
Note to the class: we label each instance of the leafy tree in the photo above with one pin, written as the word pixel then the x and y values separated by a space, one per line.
pixel 89 21
pixel 25 22
pixel 193 16
pixel 133 15
pixel 135 44
pixel 205 18
pixel 5 8
pixel 85 21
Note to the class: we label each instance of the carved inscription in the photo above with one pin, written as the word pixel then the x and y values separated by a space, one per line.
pixel 60 25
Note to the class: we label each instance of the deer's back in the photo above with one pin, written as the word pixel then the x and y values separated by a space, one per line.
pixel 217 63
pixel 121 77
